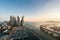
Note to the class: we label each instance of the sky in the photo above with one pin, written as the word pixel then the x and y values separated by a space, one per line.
pixel 32 10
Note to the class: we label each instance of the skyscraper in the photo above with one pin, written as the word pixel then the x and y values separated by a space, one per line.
pixel 12 20
pixel 22 21
pixel 18 20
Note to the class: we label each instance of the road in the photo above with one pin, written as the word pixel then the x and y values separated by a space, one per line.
pixel 31 35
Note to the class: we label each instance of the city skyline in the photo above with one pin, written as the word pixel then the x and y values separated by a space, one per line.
pixel 32 10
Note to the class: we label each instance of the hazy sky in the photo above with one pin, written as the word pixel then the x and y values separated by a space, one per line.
pixel 33 10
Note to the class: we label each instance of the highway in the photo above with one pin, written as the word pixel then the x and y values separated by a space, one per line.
pixel 31 35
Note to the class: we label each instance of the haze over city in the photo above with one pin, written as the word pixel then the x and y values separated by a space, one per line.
pixel 33 10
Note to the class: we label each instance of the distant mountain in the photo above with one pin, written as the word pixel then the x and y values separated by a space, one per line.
pixel 53 21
